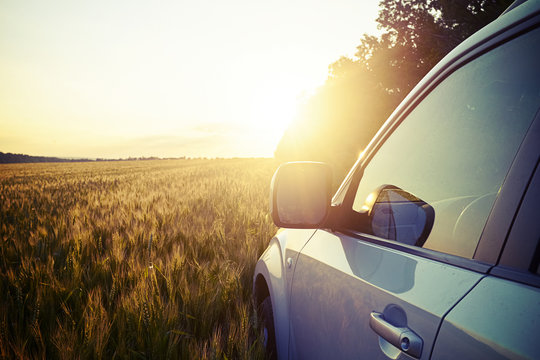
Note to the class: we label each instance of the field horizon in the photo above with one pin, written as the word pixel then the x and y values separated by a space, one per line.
pixel 13 158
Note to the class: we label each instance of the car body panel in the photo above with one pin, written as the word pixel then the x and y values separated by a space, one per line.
pixel 273 268
pixel 498 319
pixel 334 295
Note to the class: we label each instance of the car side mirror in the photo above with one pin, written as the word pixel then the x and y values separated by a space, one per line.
pixel 300 194
pixel 396 214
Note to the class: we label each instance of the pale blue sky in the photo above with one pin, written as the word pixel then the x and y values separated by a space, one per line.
pixel 165 78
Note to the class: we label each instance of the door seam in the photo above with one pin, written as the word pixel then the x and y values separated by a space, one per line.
pixel 449 310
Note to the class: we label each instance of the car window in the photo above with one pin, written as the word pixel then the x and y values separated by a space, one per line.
pixel 454 149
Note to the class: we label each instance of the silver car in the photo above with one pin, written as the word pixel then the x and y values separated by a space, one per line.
pixel 430 248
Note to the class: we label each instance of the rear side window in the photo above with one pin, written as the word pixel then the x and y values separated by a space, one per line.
pixel 454 149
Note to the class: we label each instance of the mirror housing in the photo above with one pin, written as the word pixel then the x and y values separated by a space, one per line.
pixel 300 195
pixel 396 214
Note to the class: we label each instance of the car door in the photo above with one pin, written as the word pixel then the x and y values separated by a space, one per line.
pixel 374 287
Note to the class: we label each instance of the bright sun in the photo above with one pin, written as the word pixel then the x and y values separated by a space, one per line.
pixel 272 112
pixel 273 104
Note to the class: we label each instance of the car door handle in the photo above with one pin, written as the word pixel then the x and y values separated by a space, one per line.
pixel 401 337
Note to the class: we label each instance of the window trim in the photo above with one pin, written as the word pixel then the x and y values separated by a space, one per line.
pixel 513 274
pixel 498 228
pixel 491 240
pixel 522 247
pixel 458 261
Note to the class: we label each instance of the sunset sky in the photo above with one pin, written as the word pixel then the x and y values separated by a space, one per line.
pixel 165 78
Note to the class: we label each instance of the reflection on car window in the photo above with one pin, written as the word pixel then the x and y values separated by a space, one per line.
pixel 455 148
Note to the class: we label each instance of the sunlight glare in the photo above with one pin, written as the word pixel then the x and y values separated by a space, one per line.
pixel 271 112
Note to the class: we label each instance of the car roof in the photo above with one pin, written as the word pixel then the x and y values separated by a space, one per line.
pixel 513 5
pixel 516 13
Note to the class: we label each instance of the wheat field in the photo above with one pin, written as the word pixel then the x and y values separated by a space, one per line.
pixel 132 259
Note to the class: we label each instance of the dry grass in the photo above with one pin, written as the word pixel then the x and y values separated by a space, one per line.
pixel 143 259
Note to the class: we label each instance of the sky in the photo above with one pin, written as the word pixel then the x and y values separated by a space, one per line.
pixel 204 78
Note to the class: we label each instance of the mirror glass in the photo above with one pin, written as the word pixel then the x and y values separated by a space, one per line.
pixel 398 215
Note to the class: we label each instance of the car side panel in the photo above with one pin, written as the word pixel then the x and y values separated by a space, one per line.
pixel 498 319
pixel 339 280
pixel 272 266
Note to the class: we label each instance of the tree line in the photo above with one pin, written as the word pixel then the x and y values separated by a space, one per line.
pixel 337 122
pixel 10 158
